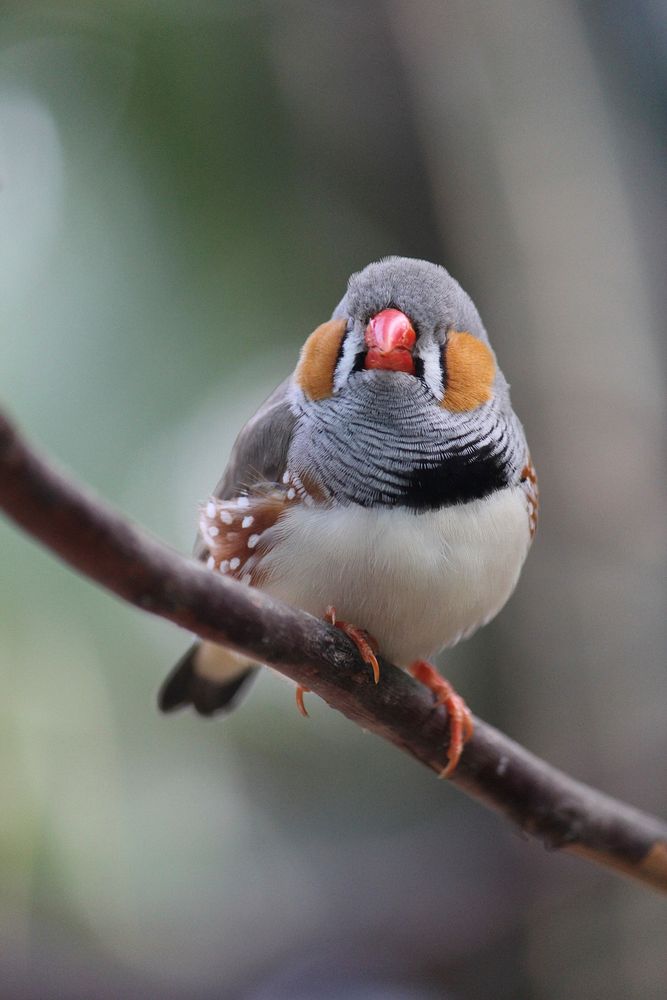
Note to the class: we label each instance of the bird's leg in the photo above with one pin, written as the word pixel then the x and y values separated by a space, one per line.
pixel 460 719
pixel 364 642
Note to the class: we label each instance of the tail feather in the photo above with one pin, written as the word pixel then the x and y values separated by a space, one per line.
pixel 185 686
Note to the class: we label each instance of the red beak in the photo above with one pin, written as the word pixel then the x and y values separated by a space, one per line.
pixel 390 339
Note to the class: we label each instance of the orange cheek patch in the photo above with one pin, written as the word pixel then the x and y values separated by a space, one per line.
pixel 315 370
pixel 470 371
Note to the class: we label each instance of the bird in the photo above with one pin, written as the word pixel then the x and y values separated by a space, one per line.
pixel 386 485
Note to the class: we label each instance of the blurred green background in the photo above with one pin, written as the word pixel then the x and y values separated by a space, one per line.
pixel 184 189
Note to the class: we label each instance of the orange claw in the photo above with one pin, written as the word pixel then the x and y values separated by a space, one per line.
pixel 460 719
pixel 300 691
pixel 364 642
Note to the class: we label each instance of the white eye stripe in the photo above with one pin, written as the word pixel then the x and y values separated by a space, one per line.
pixel 351 345
pixel 430 354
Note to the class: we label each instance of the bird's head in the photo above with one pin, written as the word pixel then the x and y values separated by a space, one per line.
pixel 402 319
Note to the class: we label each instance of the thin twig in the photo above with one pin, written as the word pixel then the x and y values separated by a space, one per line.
pixel 102 545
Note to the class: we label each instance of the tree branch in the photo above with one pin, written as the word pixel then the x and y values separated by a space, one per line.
pixel 104 546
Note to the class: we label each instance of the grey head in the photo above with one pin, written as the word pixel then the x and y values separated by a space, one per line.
pixel 426 292
pixel 432 299
pixel 424 425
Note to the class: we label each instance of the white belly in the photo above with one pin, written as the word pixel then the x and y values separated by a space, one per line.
pixel 416 582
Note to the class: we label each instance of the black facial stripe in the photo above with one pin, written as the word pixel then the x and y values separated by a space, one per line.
pixel 443 367
pixel 359 360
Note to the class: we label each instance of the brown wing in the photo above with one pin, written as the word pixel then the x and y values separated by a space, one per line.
pixel 259 455
pixel 529 483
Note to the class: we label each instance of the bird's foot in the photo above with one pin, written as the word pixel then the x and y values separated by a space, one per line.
pixel 364 642
pixel 460 719
pixel 300 691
